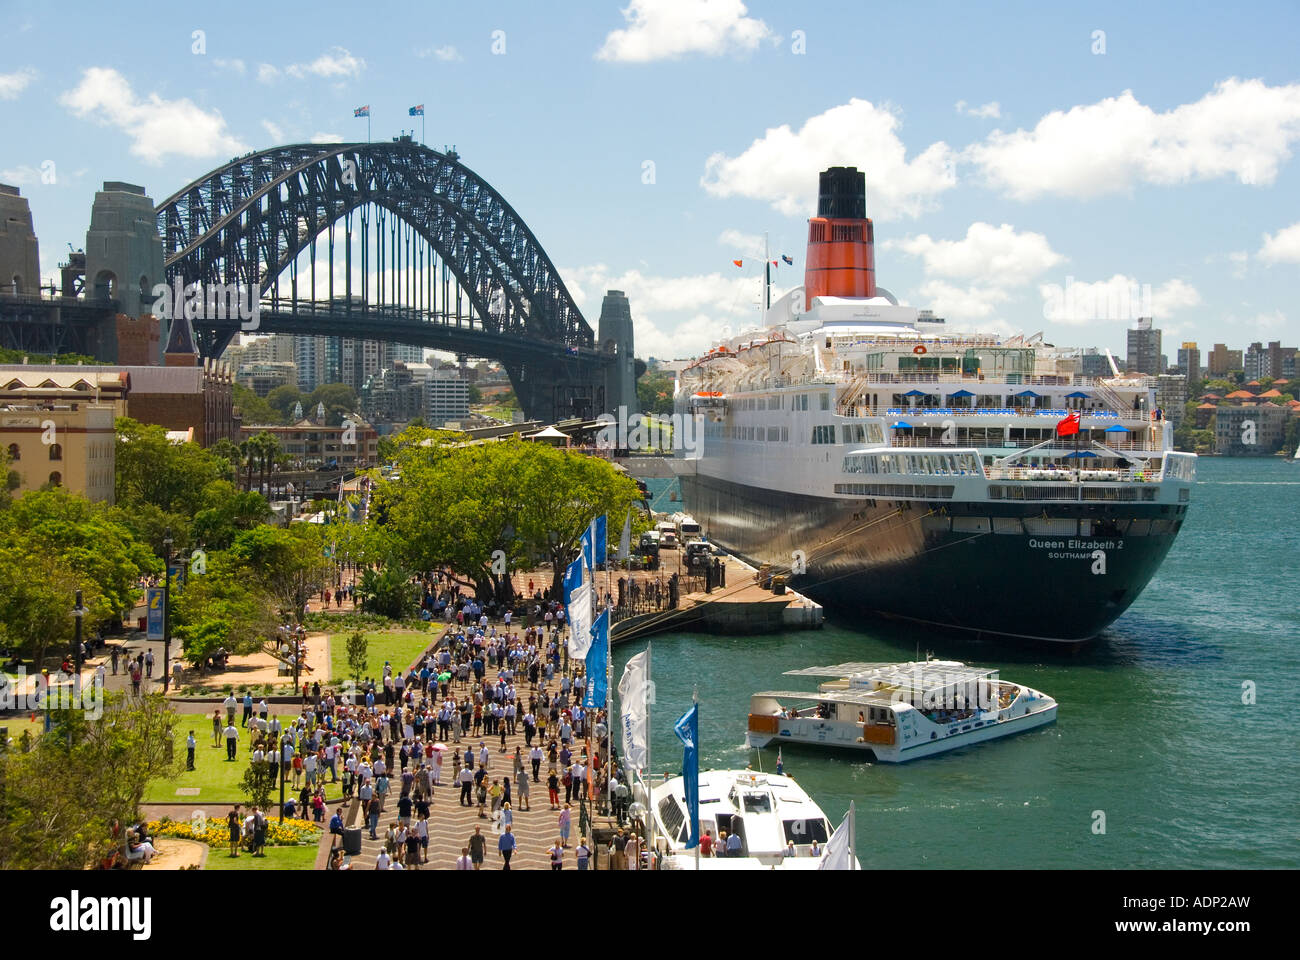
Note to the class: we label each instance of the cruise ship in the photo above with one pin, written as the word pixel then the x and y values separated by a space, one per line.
pixel 889 466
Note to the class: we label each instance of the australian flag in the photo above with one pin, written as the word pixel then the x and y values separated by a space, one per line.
pixel 362 111
pixel 417 111
pixel 787 260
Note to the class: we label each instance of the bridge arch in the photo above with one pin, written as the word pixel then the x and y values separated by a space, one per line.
pixel 249 222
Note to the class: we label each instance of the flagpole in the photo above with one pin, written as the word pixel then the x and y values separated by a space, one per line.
pixel 695 699
pixel 649 799
pixel 853 836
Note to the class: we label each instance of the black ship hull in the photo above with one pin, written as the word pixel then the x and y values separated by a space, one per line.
pixel 999 568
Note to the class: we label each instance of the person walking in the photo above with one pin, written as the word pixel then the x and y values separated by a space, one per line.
pixel 477 848
pixel 190 744
pixel 565 820
pixel 232 741
pixel 583 854
pixel 233 822
pixel 557 855
pixel 506 847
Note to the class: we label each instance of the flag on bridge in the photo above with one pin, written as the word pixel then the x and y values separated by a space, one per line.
pixel 417 110
pixel 787 260
pixel 739 263
pixel 362 111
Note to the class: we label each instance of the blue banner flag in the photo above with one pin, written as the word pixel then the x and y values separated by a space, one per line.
pixel 597 663
pixel 586 547
pixel 155 605
pixel 688 732
pixel 601 548
pixel 572 578
pixel 417 110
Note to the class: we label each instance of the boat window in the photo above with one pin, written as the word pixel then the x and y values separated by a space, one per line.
pixel 671 816
pixel 758 803
pixel 805 831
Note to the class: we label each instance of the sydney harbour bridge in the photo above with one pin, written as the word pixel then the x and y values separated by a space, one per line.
pixel 374 241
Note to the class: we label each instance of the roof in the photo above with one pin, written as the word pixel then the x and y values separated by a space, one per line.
pixel 180 339
pixel 1241 395
pixel 1271 393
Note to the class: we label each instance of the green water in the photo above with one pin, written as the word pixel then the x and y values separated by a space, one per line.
pixel 1151 729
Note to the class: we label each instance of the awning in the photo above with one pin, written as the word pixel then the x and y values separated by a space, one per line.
pixel 550 433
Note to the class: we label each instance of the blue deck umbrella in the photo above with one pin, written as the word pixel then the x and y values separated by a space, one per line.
pixel 1117 428
pixel 916 393
pixel 962 393
pixel 1079 454
pixel 1028 393
pixel 900 425
pixel 1078 395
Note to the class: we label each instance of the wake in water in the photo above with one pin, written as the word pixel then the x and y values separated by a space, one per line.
pixel 1248 483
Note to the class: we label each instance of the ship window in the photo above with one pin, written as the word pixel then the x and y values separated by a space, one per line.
pixel 802 832
pixel 825 401
pixel 758 803
pixel 671 815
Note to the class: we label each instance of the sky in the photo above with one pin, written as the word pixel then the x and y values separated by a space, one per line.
pixel 1060 168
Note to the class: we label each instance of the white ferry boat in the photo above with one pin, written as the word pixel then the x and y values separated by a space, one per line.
pixel 896 712
pixel 893 467
pixel 768 811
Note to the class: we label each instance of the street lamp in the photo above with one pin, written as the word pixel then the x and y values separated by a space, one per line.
pixel 167 610
pixel 79 612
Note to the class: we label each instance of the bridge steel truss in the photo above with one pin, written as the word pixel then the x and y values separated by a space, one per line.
pixel 405 211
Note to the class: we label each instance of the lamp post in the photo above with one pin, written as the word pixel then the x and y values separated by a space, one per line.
pixel 167 609
pixel 79 612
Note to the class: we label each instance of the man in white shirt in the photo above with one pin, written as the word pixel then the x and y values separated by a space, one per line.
pixel 383 861
pixel 463 861
pixel 232 740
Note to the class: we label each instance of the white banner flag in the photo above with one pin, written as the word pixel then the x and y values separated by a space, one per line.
pixel 634 701
pixel 579 616
pixel 839 853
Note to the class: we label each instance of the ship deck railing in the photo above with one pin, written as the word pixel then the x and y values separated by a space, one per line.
pixel 864 410
pixel 1138 447
pixel 1071 474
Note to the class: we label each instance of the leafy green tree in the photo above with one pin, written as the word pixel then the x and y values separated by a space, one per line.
pixel 255 410
pixel 260 780
pixel 388 592
pixel 358 654
pixel 152 469
pixel 284 399
pixel 339 399
pixel 226 512
pixel 53 541
pixel 58 801
pixel 654 393
pixel 221 608
pixel 289 564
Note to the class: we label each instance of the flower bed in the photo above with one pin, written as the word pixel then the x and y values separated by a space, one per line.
pixel 217 833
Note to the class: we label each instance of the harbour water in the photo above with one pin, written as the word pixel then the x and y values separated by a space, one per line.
pixel 1152 732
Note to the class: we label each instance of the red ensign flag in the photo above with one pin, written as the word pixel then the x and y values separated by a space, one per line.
pixel 1069 426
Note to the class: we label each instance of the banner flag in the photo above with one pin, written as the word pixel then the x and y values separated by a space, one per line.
pixel 597 664
pixel 633 700
pixel 688 732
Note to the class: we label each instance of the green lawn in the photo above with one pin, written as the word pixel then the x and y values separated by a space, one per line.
pixel 399 647
pixel 216 778
pixel 277 858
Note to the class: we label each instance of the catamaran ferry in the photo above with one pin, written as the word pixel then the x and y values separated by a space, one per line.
pixel 963 480
pixel 779 825
pixel 898 711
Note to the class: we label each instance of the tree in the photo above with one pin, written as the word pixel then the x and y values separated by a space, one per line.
pixel 226 512
pixel 59 801
pixel 289 564
pixel 259 781
pixel 388 592
pixel 484 510
pixel 358 654
pixel 221 608
pixel 654 392
pixel 152 469
pixel 254 409
pixel 53 542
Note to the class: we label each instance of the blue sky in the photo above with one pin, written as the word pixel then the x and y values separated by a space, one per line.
pixel 1006 154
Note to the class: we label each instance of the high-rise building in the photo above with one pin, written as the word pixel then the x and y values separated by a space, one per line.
pixel 1189 361
pixel 1223 361
pixel 446 396
pixel 1171 395
pixel 1144 348
pixel 1255 362
pixel 1093 363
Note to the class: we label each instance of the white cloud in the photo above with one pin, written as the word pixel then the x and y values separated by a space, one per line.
pixel 445 53
pixel 327 138
pixel 12 84
pixel 958 303
pixel 334 62
pixel 1119 299
pixel 744 244
pixel 989 111
pixel 274 131
pixel 157 127
pixel 781 166
pixel 1283 246
pixel 998 256
pixel 21 175
pixel 235 65
pixel 674 316
pixel 1242 128
pixel 666 29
